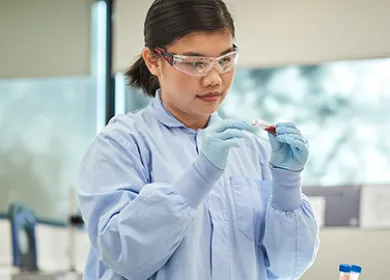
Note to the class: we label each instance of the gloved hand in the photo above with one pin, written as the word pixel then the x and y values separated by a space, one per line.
pixel 290 150
pixel 216 141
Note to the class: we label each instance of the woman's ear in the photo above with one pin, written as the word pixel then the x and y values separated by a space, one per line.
pixel 152 61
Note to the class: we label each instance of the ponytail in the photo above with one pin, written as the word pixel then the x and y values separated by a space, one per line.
pixel 139 77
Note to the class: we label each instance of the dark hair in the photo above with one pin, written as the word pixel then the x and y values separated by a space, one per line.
pixel 169 20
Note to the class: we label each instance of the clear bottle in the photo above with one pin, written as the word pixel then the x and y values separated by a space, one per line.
pixel 344 270
pixel 355 272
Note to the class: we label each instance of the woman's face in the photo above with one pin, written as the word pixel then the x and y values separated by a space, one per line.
pixel 184 94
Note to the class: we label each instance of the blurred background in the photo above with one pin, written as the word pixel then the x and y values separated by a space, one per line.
pixel 323 64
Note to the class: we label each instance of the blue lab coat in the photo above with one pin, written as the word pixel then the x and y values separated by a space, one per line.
pixel 151 213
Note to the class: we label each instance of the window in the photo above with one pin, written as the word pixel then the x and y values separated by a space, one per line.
pixel 46 126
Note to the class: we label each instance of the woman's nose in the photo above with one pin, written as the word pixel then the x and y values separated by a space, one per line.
pixel 213 78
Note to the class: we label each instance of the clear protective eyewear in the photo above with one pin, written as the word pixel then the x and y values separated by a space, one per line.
pixel 200 65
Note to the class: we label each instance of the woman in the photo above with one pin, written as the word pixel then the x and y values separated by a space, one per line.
pixel 175 192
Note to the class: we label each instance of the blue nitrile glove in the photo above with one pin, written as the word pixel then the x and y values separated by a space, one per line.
pixel 216 141
pixel 290 149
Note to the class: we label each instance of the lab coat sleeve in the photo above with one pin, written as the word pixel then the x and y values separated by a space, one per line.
pixel 135 226
pixel 290 239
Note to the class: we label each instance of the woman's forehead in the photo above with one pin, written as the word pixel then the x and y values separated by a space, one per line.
pixel 203 44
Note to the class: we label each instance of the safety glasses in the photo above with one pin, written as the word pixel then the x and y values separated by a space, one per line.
pixel 200 65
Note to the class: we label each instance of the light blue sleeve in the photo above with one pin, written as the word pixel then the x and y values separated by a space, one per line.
pixel 135 226
pixel 291 231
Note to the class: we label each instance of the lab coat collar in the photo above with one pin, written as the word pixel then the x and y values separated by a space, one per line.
pixel 165 117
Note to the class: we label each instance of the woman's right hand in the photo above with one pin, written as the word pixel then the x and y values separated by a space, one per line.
pixel 217 139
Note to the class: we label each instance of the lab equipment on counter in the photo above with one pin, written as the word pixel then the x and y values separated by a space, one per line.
pixel 355 272
pixel 345 271
pixel 264 125
pixel 24 250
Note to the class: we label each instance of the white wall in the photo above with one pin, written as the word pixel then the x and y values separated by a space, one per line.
pixel 45 38
pixel 280 32
pixel 367 248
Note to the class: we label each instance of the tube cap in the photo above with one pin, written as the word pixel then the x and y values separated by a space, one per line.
pixel 356 268
pixel 345 268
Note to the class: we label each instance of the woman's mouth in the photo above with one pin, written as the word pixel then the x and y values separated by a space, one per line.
pixel 210 97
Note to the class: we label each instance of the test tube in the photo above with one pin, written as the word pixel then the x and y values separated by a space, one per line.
pixel 345 270
pixel 355 272
pixel 264 125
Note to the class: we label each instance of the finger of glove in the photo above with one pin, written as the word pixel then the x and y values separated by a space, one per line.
pixel 226 124
pixel 230 133
pixel 300 155
pixel 287 130
pixel 230 143
pixel 300 152
pixel 285 138
pixel 275 144
pixel 298 148
pixel 286 124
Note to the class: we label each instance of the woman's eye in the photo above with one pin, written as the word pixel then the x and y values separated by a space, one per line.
pixel 197 64
pixel 225 60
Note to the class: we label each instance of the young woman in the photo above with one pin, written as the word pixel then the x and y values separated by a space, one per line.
pixel 175 192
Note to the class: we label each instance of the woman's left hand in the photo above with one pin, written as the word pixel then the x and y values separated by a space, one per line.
pixel 290 150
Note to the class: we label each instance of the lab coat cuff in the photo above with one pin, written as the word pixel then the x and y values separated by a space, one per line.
pixel 197 180
pixel 287 190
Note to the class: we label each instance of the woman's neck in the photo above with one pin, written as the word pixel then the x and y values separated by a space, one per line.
pixel 192 122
